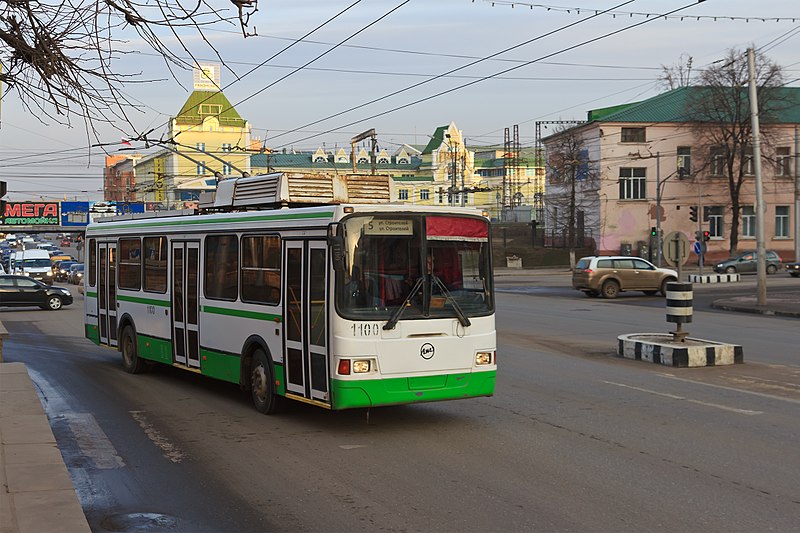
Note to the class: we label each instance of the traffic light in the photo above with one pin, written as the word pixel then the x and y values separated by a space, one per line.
pixel 693 213
pixel 653 231
pixel 3 190
pixel 706 213
pixel 706 235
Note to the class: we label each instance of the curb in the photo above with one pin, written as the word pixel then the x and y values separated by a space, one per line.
pixel 657 349
pixel 714 278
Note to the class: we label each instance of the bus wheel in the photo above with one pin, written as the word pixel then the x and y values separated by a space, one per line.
pixel 130 360
pixel 262 384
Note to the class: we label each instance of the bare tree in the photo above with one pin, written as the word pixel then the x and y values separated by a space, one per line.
pixel 60 56
pixel 720 113
pixel 573 184
pixel 677 75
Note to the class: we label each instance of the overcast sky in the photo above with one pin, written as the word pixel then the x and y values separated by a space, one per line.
pixel 418 41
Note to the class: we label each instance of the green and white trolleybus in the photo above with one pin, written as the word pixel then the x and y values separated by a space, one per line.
pixel 345 304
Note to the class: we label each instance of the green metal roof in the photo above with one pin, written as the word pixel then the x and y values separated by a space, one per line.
pixel 436 140
pixel 677 106
pixel 211 101
pixel 303 160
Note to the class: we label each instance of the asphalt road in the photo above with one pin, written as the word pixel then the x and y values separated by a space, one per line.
pixel 574 439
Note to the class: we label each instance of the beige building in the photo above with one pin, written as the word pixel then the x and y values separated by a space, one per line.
pixel 651 159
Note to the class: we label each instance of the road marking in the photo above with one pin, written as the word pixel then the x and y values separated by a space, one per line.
pixel 171 451
pixel 734 389
pixel 683 398
pixel 352 446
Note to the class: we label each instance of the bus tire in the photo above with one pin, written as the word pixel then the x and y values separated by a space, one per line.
pixel 131 362
pixel 262 384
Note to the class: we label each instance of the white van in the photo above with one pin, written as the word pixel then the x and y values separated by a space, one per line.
pixel 33 263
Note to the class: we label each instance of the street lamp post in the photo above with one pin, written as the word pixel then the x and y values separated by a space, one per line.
pixel 659 194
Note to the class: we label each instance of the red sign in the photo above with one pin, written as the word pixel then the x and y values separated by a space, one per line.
pixel 31 214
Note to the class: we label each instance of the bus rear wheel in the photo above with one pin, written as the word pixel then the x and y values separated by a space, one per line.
pixel 262 384
pixel 130 359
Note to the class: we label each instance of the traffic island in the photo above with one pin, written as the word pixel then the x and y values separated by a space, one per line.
pixel 660 348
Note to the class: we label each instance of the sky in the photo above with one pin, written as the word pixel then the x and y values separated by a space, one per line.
pixel 566 60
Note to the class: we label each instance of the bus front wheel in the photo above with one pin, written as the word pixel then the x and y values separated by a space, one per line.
pixel 130 359
pixel 262 384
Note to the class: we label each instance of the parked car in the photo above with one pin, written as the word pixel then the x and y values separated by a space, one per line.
pixel 75 276
pixel 793 269
pixel 747 262
pixel 22 291
pixel 610 275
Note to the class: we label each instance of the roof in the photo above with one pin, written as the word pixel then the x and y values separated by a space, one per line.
pixel 304 160
pixel 436 140
pixel 676 106
pixel 190 112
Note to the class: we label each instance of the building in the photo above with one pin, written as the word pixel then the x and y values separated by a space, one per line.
pixel 655 158
pixel 119 180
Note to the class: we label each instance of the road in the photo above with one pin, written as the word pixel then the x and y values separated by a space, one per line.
pixel 574 439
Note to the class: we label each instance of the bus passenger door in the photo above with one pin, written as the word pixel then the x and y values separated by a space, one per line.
pixel 306 320
pixel 185 301
pixel 107 292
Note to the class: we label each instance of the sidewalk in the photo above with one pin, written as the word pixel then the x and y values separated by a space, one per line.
pixel 37 493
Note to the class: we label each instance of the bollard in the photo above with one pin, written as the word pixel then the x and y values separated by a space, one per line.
pixel 679 308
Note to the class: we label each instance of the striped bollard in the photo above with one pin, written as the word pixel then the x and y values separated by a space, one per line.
pixel 679 308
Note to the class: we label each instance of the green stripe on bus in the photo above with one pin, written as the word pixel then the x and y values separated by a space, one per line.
pixel 91 332
pixel 140 300
pixel 91 294
pixel 188 221
pixel 347 394
pixel 241 313
pixel 154 349
pixel 220 365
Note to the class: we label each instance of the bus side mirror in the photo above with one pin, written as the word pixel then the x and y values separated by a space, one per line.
pixel 336 244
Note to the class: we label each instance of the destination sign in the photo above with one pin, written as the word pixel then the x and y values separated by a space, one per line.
pixel 389 226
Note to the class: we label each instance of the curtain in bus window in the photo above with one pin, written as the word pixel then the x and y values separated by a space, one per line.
pixel 456 229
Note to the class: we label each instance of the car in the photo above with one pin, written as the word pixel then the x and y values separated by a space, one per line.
pixel 66 242
pixel 75 276
pixel 22 291
pixel 61 270
pixel 747 262
pixel 610 275
pixel 793 269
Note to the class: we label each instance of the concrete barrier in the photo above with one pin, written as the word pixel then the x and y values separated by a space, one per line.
pixel 714 278
pixel 660 349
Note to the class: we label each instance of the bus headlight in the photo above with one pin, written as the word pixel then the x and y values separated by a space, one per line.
pixel 361 366
pixel 484 358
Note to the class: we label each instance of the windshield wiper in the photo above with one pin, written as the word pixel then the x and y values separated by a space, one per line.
pixel 461 316
pixel 392 322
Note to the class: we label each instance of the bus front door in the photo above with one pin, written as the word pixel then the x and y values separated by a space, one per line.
pixel 306 320
pixel 185 287
pixel 107 293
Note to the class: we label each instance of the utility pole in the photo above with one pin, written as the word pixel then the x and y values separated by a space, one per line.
pixel 760 249
pixel 797 193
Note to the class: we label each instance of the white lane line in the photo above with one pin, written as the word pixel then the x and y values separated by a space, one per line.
pixel 171 451
pixel 93 442
pixel 734 389
pixel 683 398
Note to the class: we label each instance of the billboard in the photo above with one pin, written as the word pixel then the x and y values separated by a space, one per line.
pixel 31 214
pixel 74 213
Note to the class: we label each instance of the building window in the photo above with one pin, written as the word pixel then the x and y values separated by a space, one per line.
pixel 363 160
pixel 402 161
pixel 201 147
pixel 226 169
pixel 749 162
pixel 383 161
pixel 715 221
pixel 783 161
pixel 226 147
pixel 633 135
pixel 403 194
pixel 210 109
pixel 320 159
pixel 684 161
pixel 748 221
pixel 782 221
pixel 425 194
pixel 717 161
pixel 201 168
pixel 632 183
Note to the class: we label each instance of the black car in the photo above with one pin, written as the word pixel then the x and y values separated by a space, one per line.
pixel 793 269
pixel 22 291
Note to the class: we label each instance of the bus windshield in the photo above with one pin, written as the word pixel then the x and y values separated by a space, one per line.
pixel 417 266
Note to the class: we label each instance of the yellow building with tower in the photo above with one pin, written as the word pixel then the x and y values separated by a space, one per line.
pixel 207 141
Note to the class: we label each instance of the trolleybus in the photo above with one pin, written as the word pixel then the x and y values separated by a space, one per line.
pixel 346 305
